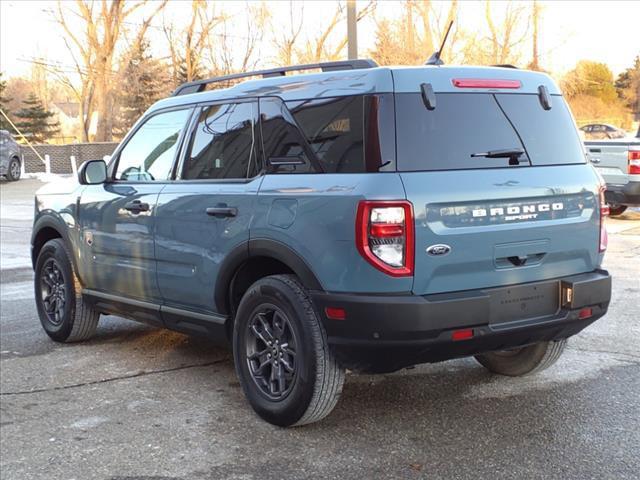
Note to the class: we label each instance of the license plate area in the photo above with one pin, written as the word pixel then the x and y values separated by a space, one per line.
pixel 522 302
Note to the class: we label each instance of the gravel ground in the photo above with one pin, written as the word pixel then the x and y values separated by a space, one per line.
pixel 141 403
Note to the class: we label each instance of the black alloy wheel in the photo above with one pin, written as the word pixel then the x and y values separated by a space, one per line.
pixel 271 351
pixel 53 291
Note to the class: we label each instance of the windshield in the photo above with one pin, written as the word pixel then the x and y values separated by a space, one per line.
pixel 465 130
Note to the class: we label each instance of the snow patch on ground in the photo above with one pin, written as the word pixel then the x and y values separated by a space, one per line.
pixel 46 177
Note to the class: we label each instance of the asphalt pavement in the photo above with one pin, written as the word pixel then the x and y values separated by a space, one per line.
pixel 141 403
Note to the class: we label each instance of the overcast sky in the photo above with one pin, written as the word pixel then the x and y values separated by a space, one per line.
pixel 605 31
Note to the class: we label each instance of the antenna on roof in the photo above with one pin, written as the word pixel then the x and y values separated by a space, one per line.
pixel 435 58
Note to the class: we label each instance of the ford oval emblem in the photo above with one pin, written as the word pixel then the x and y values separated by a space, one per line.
pixel 439 249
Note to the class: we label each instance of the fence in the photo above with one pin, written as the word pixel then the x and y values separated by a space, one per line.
pixel 60 156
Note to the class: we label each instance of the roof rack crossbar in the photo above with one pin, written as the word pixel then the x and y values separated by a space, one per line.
pixel 200 85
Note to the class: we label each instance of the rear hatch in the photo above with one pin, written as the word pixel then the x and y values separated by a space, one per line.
pixel 532 213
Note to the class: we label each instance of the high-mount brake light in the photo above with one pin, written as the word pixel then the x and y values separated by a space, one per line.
pixel 485 83
pixel 385 236
pixel 634 160
pixel 604 211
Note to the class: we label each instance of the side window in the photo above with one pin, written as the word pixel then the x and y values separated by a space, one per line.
pixel 282 138
pixel 148 155
pixel 224 143
pixel 334 128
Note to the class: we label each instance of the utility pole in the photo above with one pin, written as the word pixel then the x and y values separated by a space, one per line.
pixel 352 30
pixel 535 61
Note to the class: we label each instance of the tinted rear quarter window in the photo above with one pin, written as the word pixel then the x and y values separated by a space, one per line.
pixel 334 129
pixel 351 134
pixel 282 138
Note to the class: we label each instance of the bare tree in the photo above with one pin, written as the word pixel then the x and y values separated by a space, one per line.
pixel 416 34
pixel 187 45
pixel 285 40
pixel 224 41
pixel 93 51
pixel 507 37
pixel 326 46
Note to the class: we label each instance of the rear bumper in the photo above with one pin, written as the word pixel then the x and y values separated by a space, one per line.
pixel 385 333
pixel 628 194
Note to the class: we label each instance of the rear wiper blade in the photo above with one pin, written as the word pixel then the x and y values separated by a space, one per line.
pixel 511 153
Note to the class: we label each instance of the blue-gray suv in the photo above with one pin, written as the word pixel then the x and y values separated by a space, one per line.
pixel 354 217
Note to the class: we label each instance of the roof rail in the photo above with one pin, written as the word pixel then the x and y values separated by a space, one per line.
pixel 200 85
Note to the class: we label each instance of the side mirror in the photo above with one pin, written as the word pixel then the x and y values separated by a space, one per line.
pixel 92 172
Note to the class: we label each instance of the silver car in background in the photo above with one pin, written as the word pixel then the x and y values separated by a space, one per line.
pixel 9 156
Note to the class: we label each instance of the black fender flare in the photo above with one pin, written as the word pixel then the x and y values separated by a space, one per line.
pixel 57 224
pixel 260 247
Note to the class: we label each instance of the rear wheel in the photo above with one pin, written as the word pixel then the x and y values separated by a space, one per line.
pixel 615 210
pixel 63 312
pixel 13 171
pixel 282 359
pixel 523 361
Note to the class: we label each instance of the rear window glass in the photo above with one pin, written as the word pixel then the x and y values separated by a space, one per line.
pixel 548 135
pixel 463 124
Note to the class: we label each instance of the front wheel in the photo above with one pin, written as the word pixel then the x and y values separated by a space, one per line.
pixel 64 314
pixel 524 360
pixel 281 355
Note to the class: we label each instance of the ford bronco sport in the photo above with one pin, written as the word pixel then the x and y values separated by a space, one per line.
pixel 358 217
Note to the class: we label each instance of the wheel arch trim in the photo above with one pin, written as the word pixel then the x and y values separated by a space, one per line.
pixel 260 247
pixel 47 221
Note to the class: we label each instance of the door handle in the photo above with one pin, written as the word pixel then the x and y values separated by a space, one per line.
pixel 136 206
pixel 221 211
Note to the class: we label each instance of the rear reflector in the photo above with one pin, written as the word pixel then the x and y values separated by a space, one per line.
pixel 485 83
pixel 585 313
pixel 465 334
pixel 334 313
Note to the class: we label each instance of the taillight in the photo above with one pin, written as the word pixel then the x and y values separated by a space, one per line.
pixel 634 161
pixel 384 235
pixel 485 83
pixel 604 211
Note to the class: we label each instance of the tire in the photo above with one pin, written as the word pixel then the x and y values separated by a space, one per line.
pixel 65 316
pixel 523 361
pixel 278 307
pixel 615 210
pixel 13 170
